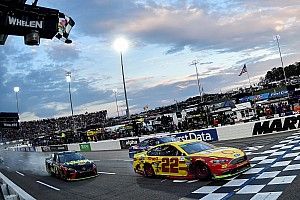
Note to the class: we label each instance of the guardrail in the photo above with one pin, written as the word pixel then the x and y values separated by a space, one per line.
pixel 11 191
pixel 230 132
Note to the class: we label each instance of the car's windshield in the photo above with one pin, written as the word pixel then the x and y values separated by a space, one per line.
pixel 68 157
pixel 167 139
pixel 196 147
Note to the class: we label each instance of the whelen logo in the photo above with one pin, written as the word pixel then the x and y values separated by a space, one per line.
pixel 276 125
pixel 25 23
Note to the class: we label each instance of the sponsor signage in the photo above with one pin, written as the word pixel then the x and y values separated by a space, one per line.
pixel 207 135
pixel 279 94
pixel 258 97
pixel 125 144
pixel 85 147
pixel 13 21
pixel 12 125
pixel 23 21
pixel 53 148
pixel 276 125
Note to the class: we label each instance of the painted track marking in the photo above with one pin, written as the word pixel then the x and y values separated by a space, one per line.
pixel 20 173
pixel 108 173
pixel 54 188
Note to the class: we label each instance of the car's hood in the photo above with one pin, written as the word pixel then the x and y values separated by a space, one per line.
pixel 140 155
pixel 78 162
pixel 221 152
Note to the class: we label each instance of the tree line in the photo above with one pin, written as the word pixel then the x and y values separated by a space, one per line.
pixel 276 74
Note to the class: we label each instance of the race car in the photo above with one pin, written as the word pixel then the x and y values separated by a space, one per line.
pixel 191 159
pixel 70 166
pixel 148 143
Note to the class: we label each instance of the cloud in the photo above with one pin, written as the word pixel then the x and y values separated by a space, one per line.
pixel 28 116
pixel 63 53
pixel 219 25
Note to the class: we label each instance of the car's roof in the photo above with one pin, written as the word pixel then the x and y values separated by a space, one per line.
pixel 158 137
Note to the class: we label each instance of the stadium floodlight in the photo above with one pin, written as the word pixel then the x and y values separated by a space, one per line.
pixel 276 38
pixel 68 77
pixel 121 45
pixel 17 90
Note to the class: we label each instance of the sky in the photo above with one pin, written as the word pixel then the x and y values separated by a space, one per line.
pixel 164 36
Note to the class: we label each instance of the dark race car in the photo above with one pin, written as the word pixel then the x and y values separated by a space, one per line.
pixel 148 143
pixel 70 166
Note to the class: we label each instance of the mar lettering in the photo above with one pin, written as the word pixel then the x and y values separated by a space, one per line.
pixel 276 125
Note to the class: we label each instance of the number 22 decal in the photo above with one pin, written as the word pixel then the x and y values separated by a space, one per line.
pixel 169 165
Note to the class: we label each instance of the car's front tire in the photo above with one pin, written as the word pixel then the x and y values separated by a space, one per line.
pixel 202 172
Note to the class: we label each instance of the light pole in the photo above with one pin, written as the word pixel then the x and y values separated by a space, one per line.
pixel 121 45
pixel 115 92
pixel 68 79
pixel 16 90
pixel 176 105
pixel 277 37
pixel 195 62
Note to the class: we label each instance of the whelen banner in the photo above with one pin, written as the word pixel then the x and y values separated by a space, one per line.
pixel 21 22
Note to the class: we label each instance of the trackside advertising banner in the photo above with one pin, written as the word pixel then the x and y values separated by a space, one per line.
pixel 207 135
pixel 276 125
pixel 125 144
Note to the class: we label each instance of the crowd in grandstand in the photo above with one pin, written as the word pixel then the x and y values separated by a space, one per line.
pixel 75 129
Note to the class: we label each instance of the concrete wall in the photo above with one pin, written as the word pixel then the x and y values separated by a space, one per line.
pixel 244 130
pixel 11 191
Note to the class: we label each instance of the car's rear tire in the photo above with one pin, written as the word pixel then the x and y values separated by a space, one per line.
pixel 202 172
pixel 149 171
pixel 62 175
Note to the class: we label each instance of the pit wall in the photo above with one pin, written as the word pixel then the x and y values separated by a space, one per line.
pixel 230 132
pixel 10 191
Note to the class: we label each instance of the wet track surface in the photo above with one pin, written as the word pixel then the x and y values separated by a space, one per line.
pixel 118 181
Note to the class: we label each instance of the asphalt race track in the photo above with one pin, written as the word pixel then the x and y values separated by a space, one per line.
pixel 275 163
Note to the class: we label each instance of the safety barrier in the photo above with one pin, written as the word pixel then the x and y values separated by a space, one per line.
pixel 10 191
pixel 22 148
pixel 230 132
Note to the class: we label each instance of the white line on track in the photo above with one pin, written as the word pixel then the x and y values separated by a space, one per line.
pixel 54 188
pixel 7 167
pixel 163 180
pixel 128 160
pixel 192 181
pixel 96 160
pixel 108 173
pixel 20 173
pixel 179 181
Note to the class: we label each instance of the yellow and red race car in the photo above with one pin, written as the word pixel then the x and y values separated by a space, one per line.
pixel 191 159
